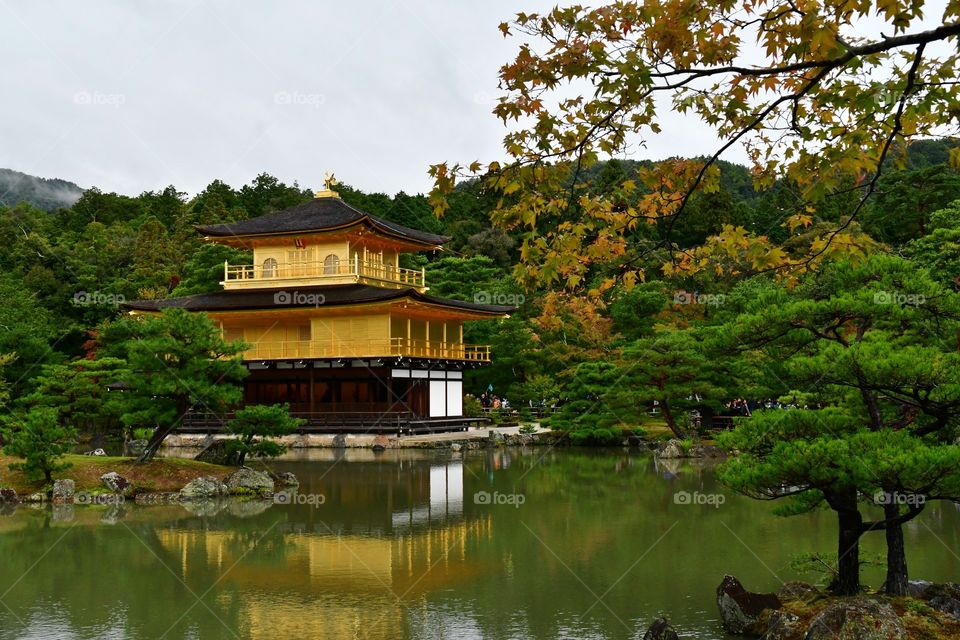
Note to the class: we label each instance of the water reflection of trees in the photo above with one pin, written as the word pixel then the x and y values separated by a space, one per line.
pixel 492 571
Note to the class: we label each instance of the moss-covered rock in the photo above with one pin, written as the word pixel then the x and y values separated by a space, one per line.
pixel 860 618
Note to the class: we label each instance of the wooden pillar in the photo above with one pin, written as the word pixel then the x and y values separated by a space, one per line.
pixel 444 338
pixel 426 334
pixel 409 345
pixel 460 348
pixel 313 404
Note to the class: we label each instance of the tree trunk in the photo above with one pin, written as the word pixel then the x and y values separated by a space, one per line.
pixel 850 525
pixel 896 582
pixel 153 445
pixel 671 422
pixel 162 431
pixel 706 418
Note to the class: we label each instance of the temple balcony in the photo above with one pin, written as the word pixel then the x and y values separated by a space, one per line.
pixel 373 348
pixel 280 274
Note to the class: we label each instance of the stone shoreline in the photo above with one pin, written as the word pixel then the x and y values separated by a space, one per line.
pixel 473 439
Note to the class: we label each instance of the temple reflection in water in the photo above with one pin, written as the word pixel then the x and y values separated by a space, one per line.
pixel 363 560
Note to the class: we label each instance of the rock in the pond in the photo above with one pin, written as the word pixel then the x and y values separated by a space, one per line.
pixel 660 629
pixel 672 449
pixel 216 453
pixel 134 448
pixel 943 590
pixel 116 483
pixel 784 626
pixel 858 618
pixel 742 611
pixel 37 497
pixel 96 452
pixel 455 447
pixel 286 479
pixel 246 481
pixel 918 588
pixel 339 441
pixel 203 488
pixel 8 496
pixel 63 491
pixel 798 592
pixel 946 604
pixel 706 451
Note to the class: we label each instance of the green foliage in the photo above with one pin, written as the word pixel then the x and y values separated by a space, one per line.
pixel 5 359
pixel 179 362
pixel 939 249
pixel 80 393
pixel 38 437
pixel 634 312
pixel 870 352
pixel 673 369
pixel 471 406
pixel 26 329
pixel 254 428
pixel 906 200
pixel 203 271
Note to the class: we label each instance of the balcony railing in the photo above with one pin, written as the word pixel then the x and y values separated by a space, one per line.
pixel 305 349
pixel 240 275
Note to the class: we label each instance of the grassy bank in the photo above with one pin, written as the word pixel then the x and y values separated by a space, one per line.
pixel 164 474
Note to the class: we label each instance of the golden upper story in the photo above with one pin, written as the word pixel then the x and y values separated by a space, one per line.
pixel 322 242
pixel 326 282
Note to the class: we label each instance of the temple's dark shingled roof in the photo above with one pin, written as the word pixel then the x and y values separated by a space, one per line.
pixel 300 297
pixel 317 215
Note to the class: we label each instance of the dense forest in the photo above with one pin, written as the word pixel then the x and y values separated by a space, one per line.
pixel 65 270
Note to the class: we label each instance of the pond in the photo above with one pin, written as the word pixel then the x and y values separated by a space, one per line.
pixel 509 543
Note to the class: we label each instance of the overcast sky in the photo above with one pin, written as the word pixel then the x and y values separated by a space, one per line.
pixel 133 96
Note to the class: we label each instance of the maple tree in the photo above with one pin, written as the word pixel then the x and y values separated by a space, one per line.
pixel 822 94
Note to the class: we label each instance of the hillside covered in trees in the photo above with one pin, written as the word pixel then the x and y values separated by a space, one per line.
pixel 48 194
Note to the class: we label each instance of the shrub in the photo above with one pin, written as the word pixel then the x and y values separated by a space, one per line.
pixel 253 428
pixel 38 437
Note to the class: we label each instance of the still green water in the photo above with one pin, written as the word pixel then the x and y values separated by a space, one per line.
pixel 571 544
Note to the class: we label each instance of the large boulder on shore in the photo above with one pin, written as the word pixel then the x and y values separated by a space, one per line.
pixel 135 448
pixel 783 625
pixel 798 592
pixel 286 479
pixel 741 611
pixel 8 496
pixel 63 491
pixel 660 629
pixel 116 483
pixel 216 452
pixel 858 618
pixel 671 449
pixel 246 480
pixel 203 488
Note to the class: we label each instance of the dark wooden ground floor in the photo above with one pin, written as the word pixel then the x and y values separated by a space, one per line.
pixel 358 396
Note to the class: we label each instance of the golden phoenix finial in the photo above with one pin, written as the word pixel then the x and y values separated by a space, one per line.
pixel 328 182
